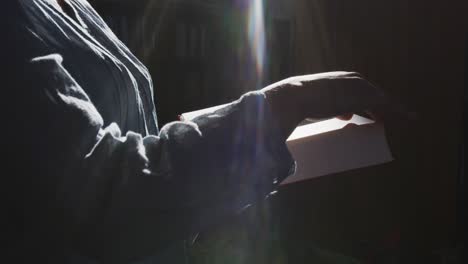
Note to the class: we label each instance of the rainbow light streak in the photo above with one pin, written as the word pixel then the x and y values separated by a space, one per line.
pixel 256 31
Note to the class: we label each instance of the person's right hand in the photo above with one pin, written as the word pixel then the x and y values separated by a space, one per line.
pixel 322 95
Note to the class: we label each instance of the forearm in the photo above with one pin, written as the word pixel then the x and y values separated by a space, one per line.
pixel 197 174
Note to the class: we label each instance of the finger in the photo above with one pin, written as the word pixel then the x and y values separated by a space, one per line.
pixel 345 117
pixel 369 93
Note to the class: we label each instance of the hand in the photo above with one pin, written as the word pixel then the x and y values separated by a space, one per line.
pixel 322 95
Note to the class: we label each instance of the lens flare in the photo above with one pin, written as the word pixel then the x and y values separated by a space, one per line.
pixel 256 34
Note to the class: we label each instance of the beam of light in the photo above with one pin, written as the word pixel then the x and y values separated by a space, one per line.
pixel 256 34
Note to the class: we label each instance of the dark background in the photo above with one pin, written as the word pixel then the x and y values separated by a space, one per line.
pixel 407 211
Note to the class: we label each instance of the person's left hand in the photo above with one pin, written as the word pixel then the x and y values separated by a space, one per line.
pixel 323 95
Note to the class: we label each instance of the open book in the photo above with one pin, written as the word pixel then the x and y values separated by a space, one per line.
pixel 330 146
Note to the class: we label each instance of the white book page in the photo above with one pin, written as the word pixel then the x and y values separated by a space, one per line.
pixel 334 146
